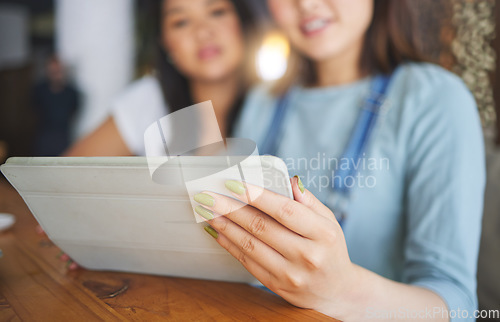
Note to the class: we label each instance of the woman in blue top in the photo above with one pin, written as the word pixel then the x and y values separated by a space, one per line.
pixel 405 181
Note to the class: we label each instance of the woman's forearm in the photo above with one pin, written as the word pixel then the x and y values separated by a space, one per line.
pixel 379 299
pixel 106 140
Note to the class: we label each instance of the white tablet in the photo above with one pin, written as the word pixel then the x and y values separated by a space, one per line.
pixel 109 214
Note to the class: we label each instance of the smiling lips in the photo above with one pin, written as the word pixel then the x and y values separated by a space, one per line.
pixel 209 52
pixel 311 27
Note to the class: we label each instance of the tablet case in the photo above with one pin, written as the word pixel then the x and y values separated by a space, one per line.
pixel 108 214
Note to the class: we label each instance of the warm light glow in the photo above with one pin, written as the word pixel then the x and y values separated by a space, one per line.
pixel 272 57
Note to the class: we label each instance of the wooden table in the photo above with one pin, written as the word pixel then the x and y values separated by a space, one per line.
pixel 35 285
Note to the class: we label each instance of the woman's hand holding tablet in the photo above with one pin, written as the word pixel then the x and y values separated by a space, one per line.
pixel 294 247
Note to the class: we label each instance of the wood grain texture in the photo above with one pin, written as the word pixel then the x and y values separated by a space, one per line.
pixel 35 285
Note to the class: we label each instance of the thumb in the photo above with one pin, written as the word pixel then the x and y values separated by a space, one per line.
pixel 305 197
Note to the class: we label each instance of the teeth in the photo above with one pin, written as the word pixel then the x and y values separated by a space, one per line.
pixel 315 25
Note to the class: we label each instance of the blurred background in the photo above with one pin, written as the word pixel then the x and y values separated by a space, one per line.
pixel 86 52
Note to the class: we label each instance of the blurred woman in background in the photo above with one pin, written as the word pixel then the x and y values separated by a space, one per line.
pixel 205 54
pixel 399 144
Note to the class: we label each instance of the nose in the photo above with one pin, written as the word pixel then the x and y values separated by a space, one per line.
pixel 308 5
pixel 203 31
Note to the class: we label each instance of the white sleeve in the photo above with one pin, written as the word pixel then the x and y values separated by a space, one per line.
pixel 135 109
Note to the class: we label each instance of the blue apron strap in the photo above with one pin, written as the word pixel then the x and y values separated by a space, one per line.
pixel 270 144
pixel 362 131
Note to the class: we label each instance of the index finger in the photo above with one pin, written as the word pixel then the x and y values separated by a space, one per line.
pixel 290 213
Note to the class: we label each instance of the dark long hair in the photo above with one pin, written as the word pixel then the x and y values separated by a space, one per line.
pixel 175 85
pixel 391 39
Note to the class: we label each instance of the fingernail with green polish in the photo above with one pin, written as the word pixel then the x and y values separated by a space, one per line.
pixel 235 186
pixel 211 231
pixel 299 183
pixel 204 199
pixel 205 213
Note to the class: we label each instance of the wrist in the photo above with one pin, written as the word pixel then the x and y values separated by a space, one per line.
pixel 349 296
pixel 352 298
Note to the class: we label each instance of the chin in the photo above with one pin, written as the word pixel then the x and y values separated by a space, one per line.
pixel 216 72
pixel 321 53
pixel 213 75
